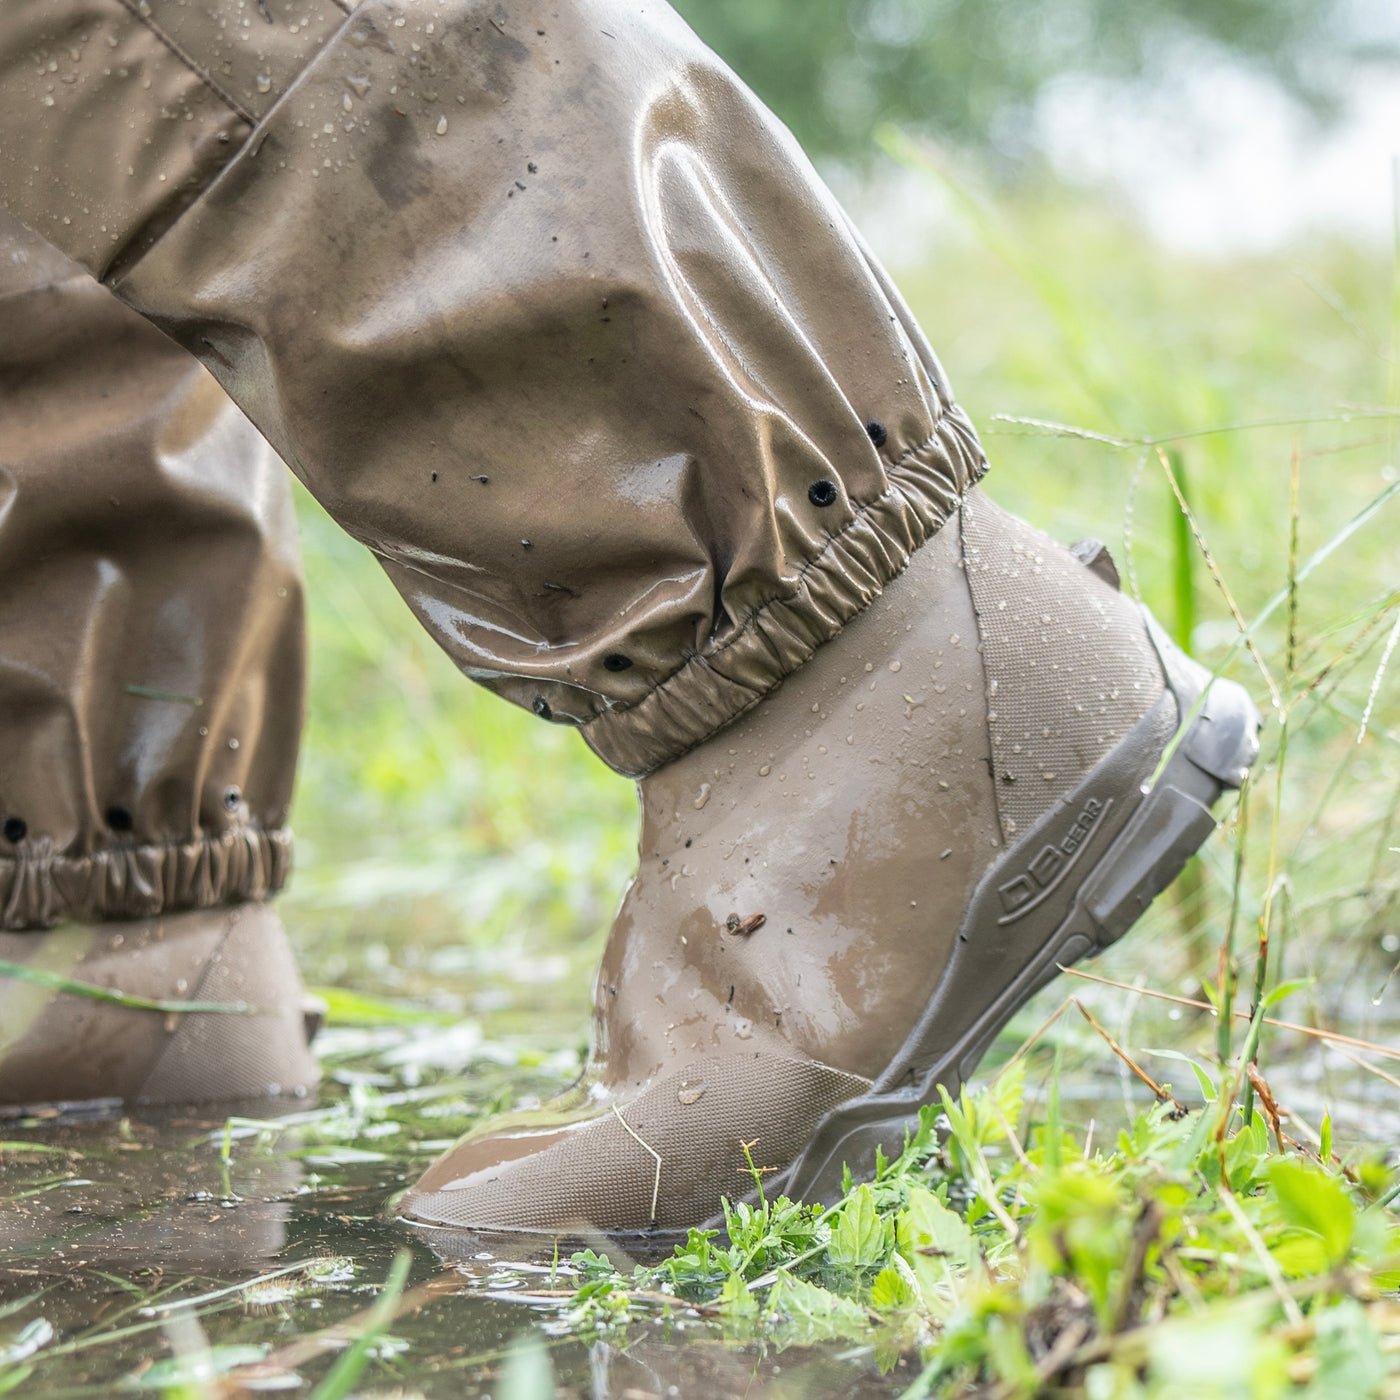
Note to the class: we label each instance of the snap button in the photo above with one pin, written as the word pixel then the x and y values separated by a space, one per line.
pixel 541 707
pixel 877 432
pixel 616 661
pixel 822 493
pixel 16 829
pixel 119 818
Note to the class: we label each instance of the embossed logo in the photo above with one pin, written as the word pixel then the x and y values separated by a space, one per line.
pixel 1023 892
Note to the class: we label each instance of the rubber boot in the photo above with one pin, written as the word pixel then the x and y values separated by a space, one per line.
pixel 248 1039
pixel 151 696
pixel 844 896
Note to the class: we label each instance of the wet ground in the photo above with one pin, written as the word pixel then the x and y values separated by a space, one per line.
pixel 130 1242
pixel 142 1249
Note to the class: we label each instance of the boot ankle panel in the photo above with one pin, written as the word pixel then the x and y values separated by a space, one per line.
pixel 715 687
pixel 1069 665
pixel 119 114
pixel 41 887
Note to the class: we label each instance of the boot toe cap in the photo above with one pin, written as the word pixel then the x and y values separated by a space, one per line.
pixel 658 1162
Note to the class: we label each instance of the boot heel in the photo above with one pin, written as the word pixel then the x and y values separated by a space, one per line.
pixel 1072 885
pixel 1174 818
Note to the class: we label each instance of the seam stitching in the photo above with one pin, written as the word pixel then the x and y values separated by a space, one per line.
pixel 133 8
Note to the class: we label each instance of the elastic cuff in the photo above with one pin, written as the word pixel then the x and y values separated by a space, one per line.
pixel 40 888
pixel 713 688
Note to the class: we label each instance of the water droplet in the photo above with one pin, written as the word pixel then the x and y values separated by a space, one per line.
pixel 704 796
pixel 690 1093
pixel 442 126
pixel 263 82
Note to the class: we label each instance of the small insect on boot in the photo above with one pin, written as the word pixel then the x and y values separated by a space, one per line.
pixel 847 893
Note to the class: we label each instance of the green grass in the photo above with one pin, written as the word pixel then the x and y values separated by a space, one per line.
pixel 1200 1252
pixel 1188 1257
pixel 1149 1200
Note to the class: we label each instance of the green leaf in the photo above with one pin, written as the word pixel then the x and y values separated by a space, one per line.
pixel 55 982
pixel 1325 1133
pixel 736 1299
pixel 1286 989
pixel 1350 1363
pixel 1007 1093
pixel 1010 1361
pixel 1203 1079
pixel 861 1238
pixel 812 1314
pixel 1220 1355
pixel 1300 1254
pixel 928 1226
pixel 12 1380
pixel 1082 1227
pixel 939 1247
pixel 199 1366
pixel 892 1290
pixel 1309 1199
pixel 527 1373
pixel 349 1008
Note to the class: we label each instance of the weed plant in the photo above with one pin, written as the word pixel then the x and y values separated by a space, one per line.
pixel 1175 1183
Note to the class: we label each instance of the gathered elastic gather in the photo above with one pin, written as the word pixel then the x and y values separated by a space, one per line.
pixel 714 687
pixel 41 887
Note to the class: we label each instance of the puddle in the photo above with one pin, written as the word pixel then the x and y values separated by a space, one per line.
pixel 263 1236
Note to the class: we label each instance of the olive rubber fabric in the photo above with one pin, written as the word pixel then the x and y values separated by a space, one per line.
pixel 537 299
pixel 152 644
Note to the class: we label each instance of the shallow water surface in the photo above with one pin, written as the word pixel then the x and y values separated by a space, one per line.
pixel 248 1248
pixel 127 1241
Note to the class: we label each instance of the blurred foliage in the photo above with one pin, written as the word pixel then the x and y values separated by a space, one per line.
pixel 833 70
pixel 458 861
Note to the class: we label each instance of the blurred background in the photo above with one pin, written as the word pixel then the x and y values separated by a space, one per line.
pixel 1170 223
pixel 1153 242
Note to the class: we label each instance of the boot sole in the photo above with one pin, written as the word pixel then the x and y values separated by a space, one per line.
pixel 1071 886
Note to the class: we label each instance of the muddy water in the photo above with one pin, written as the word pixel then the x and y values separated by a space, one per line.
pixel 126 1240
pixel 116 1219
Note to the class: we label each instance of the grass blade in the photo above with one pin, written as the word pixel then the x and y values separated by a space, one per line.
pixel 341 1378
pixel 56 982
